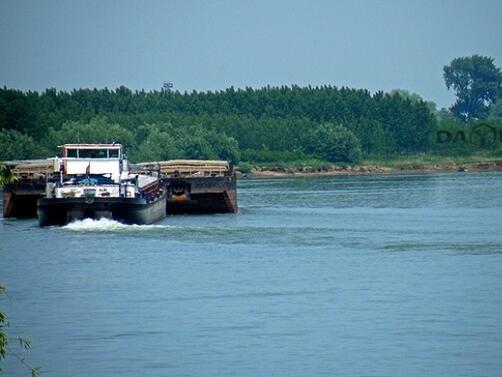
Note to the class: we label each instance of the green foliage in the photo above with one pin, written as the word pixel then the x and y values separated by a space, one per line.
pixel 98 130
pixel 495 114
pixel 375 137
pixel 245 167
pixel 409 132
pixel 158 146
pixel 335 143
pixel 16 145
pixel 198 147
pixel 266 155
pixel 201 143
pixel 163 141
pixel 6 177
pixel 274 122
pixel 454 137
pixel 414 97
pixel 477 83
pixel 450 124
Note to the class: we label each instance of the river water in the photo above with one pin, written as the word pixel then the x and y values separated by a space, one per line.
pixel 353 276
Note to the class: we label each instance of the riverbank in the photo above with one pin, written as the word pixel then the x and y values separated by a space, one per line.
pixel 375 166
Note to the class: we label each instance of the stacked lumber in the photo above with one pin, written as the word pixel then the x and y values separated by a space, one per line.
pixel 188 168
pixel 33 169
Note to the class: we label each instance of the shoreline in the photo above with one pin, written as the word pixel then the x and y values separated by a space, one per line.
pixel 304 172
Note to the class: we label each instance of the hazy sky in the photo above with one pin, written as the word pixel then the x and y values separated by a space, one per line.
pixel 208 45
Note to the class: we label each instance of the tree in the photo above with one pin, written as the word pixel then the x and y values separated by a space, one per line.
pixel 215 124
pixel 477 83
pixel 374 137
pixel 414 97
pixel 158 146
pixel 98 130
pixel 495 114
pixel 15 145
pixel 335 143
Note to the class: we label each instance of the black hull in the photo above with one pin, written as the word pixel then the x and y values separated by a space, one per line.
pixel 127 211
pixel 20 198
pixel 201 195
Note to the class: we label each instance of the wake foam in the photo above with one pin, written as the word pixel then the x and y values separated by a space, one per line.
pixel 107 225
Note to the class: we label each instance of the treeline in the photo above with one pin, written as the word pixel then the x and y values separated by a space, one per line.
pixel 256 125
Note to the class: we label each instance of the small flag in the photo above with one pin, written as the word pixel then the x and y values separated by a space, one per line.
pixel 88 170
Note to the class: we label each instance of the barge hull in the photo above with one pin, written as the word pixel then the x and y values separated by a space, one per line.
pixel 20 198
pixel 127 211
pixel 201 195
pixel 21 204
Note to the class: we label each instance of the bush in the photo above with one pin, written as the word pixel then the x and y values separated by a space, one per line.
pixel 245 167
pixel 335 143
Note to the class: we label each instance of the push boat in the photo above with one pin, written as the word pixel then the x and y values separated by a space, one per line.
pixel 94 181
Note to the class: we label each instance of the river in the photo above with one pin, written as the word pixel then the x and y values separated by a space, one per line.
pixel 389 275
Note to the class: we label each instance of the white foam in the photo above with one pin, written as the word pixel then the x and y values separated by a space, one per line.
pixel 107 225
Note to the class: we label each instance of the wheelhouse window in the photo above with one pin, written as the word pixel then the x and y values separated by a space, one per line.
pixel 92 153
pixel 72 153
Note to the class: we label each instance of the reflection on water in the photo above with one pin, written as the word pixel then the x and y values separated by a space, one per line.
pixel 375 275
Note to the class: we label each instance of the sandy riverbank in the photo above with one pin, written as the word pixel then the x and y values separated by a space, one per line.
pixel 278 172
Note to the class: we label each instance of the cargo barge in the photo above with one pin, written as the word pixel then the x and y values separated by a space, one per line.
pixel 196 186
pixel 189 187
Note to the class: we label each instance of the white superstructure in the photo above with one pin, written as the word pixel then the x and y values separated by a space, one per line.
pixel 95 170
pixel 82 159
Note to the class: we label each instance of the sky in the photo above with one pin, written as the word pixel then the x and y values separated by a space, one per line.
pixel 212 45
